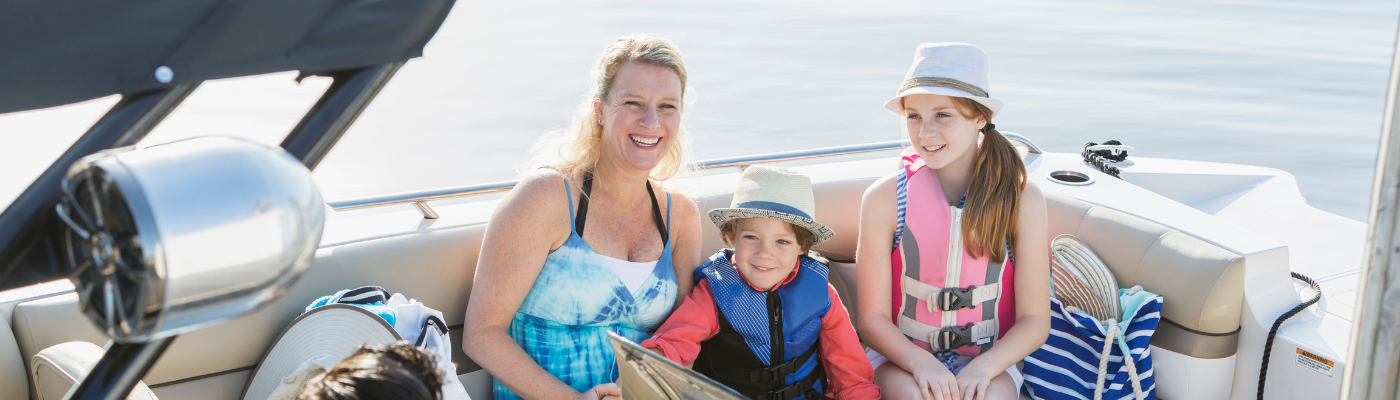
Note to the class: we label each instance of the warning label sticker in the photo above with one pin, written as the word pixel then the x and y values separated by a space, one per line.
pixel 1314 362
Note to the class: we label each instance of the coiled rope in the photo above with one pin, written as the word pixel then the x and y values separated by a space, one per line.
pixel 1100 159
pixel 1269 343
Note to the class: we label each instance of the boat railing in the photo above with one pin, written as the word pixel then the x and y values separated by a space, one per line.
pixel 419 199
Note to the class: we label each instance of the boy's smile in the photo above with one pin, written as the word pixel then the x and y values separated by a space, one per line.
pixel 765 250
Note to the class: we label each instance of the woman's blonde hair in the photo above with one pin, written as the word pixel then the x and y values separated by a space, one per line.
pixel 579 146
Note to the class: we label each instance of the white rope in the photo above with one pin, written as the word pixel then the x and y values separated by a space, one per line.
pixel 1114 334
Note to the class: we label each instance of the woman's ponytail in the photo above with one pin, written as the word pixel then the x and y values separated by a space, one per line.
pixel 993 198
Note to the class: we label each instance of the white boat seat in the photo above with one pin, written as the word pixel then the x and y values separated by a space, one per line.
pixel 59 367
pixel 1200 315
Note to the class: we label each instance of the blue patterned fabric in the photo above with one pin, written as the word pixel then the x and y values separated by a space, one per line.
pixel 1067 365
pixel 372 298
pixel 563 322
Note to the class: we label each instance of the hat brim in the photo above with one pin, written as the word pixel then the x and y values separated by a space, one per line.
pixel 335 331
pixel 820 233
pixel 894 105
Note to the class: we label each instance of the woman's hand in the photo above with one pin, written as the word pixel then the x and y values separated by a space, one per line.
pixel 935 381
pixel 606 391
pixel 973 380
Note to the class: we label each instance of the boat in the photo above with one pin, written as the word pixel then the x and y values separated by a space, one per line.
pixel 1219 241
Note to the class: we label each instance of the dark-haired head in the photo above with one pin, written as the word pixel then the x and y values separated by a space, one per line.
pixel 398 371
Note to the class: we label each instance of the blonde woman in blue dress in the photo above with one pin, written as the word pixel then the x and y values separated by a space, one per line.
pixel 592 243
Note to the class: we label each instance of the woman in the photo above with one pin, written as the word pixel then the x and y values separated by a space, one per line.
pixel 592 243
pixel 953 266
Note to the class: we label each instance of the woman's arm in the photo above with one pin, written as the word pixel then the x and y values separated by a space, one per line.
pixel 877 223
pixel 530 222
pixel 685 252
pixel 1032 282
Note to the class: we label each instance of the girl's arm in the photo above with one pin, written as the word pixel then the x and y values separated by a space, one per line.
pixel 1032 280
pixel 529 223
pixel 877 223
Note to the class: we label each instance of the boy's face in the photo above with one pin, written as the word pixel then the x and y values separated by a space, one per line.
pixel 765 250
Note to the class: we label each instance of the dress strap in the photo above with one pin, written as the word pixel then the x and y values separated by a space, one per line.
pixel 582 216
pixel 570 193
pixel 656 214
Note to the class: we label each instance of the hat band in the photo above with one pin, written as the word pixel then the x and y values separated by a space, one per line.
pixel 942 82
pixel 771 206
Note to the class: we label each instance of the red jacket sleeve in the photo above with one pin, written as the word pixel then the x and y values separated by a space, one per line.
pixel 847 369
pixel 695 321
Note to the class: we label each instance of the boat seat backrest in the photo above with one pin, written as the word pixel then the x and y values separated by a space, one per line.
pixel 1202 285
pixel 435 267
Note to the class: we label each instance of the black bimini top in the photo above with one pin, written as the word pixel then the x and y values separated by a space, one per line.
pixel 55 52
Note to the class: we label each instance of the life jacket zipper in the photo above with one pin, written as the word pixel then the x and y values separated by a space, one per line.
pixel 775 329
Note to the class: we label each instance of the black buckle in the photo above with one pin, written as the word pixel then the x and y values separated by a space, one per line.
pixel 953 299
pixel 806 386
pixel 952 337
pixel 778 373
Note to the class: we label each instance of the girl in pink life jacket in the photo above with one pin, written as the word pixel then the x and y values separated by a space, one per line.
pixel 952 265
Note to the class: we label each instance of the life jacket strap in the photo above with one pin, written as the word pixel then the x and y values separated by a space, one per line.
pixel 951 299
pixel 778 373
pixel 948 338
pixel 806 386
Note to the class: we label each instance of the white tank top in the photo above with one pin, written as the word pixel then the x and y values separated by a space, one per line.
pixel 633 274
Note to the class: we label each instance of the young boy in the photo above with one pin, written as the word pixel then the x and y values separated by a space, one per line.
pixel 762 319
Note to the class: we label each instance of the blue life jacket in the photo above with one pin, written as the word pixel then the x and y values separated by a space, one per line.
pixel 767 346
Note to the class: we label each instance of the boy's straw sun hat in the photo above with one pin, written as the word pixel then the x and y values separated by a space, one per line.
pixel 949 69
pixel 777 193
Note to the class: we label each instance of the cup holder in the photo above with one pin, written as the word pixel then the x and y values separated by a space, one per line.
pixel 1072 178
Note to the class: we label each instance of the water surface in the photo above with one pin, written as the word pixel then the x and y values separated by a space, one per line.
pixel 1298 86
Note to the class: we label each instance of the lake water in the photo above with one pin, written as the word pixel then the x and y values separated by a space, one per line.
pixel 1298 86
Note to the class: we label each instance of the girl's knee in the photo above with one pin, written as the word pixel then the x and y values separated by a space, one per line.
pixel 1003 387
pixel 895 382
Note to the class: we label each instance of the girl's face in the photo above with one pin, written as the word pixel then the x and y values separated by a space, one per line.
pixel 765 250
pixel 641 116
pixel 938 131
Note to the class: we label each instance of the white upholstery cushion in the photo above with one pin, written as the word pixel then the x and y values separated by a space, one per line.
pixel 61 366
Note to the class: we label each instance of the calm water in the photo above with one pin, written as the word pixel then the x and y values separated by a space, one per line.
pixel 1298 86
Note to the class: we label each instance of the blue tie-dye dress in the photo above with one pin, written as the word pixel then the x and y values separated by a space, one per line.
pixel 576 300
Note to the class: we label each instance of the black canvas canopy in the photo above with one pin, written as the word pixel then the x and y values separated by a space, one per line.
pixel 55 52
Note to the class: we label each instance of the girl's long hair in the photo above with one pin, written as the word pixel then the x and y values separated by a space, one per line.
pixel 993 198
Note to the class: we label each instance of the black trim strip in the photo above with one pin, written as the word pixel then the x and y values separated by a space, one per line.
pixel 195 378
pixel 1230 333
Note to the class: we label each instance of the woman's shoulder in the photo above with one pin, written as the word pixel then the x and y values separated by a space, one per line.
pixel 682 207
pixel 539 189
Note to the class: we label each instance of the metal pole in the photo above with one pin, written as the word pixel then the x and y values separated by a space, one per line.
pixel 120 368
pixel 342 103
pixel 1375 340
pixel 23 225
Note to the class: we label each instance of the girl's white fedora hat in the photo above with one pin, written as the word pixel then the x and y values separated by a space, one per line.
pixel 949 69
pixel 777 193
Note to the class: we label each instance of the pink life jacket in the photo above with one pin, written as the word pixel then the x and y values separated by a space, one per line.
pixel 978 304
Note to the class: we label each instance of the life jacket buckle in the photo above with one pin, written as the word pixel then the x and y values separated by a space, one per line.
pixel 951 337
pixel 952 299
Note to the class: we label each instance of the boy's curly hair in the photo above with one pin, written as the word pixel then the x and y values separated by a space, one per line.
pixel 398 371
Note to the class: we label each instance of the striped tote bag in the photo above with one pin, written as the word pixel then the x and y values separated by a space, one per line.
pixel 1084 357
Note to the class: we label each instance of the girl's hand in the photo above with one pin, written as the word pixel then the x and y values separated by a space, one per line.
pixel 606 391
pixel 935 381
pixel 974 382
